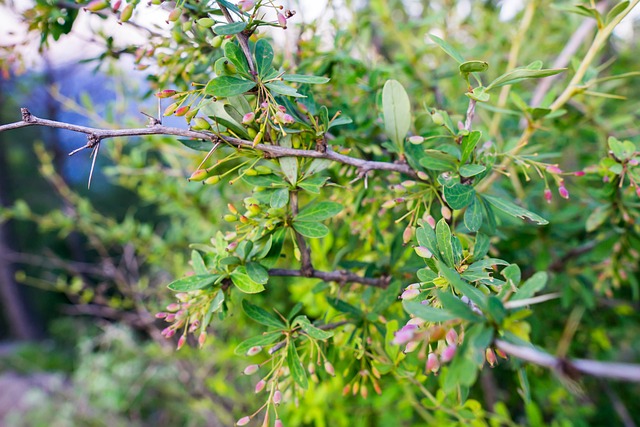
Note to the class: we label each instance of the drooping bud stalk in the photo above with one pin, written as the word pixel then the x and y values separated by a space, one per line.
pixel 548 195
pixel 251 369
pixel 448 353
pixel 243 421
pixel 423 252
pixel 433 364
pixel 329 368
pixel 491 357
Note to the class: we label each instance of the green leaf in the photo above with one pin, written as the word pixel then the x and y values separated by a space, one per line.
pixel 532 285
pixel 468 145
pixel 261 315
pixel 386 297
pixel 319 211
pixel 396 110
pixel 283 89
pixel 344 307
pixel 232 126
pixel 229 29
pixel 233 52
pixel 298 373
pixel 197 144
pixel 616 10
pixel 448 49
pixel 198 263
pixel 512 274
pixel 244 283
pixel 257 273
pixel 597 217
pixel 269 180
pixel 623 150
pixel 456 307
pixel 264 57
pixel 228 86
pixel 473 66
pixel 193 283
pixel 515 210
pixel 445 248
pixel 311 330
pixel 313 230
pixel 277 243
pixel 458 195
pixel 300 78
pixel 481 246
pixel 427 237
pixel 471 170
pixel 438 161
pixel 260 340
pixel 461 286
pixel 473 216
pixel 425 312
pixel 496 309
pixel 279 198
pixel 479 94
pixel 519 74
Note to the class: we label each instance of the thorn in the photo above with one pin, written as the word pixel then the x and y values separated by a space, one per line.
pixel 152 120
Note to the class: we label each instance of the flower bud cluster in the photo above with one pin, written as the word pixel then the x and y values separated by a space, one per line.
pixel 187 316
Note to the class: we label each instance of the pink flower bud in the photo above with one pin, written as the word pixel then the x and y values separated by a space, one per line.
pixel 181 341
pixel 161 315
pixel 277 397
pixel 260 386
pixel 501 354
pixel 423 252
pixel 170 317
pixel 407 234
pixel 251 369
pixel 278 423
pixel 202 338
pixel 547 195
pixel 409 294
pixel 165 93
pixel 404 335
pixel 254 350
pixel 634 162
pixel 248 118
pixel 410 347
pixel 446 212
pixel 491 357
pixel 579 173
pixel 246 5
pixel 329 368
pixel 282 20
pixel 431 221
pixel 562 190
pixel 432 363
pixel 182 111
pixel 452 337
pixel 554 169
pixel 116 5
pixel 638 191
pixel 243 421
pixel 287 119
pixel 448 353
pixel 173 307
pixel 168 332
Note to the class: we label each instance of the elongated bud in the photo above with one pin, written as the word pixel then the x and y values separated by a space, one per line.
pixel 423 176
pixel 191 114
pixel 501 354
pixel 116 5
pixel 433 364
pixel 579 173
pixel 416 139
pixel 423 252
pixel 446 212
pixel 409 294
pixel 554 169
pixel 217 41
pixel 246 5
pixel 212 180
pixel 181 341
pixel 448 353
pixel 282 21
pixel 230 218
pixel 437 118
pixel 407 234
pixel 97 5
pixel 452 337
pixel 201 124
pixel 258 138
pixel 205 22
pixel 127 12
pixel 251 369
pixel 346 389
pixel 166 93
pixel 248 118
pixel 171 109
pixel 329 368
pixel 182 111
pixel 278 423
pixel 547 195
pixel 562 190
pixel 199 175
pixel 389 204
pixel 254 350
pixel 277 397
pixel 174 15
pixel 243 421
pixel 202 338
pixel 491 357
pixel 260 386
pixel 173 307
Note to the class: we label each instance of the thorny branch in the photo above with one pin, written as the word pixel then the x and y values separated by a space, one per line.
pixel 95 135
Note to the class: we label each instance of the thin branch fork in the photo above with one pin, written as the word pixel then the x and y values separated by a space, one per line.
pixel 616 371
pixel 97 135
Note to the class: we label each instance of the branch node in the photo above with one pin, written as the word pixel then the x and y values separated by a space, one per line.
pixel 27 116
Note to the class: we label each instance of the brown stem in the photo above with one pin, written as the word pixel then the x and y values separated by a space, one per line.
pixel 340 276
pixel 305 252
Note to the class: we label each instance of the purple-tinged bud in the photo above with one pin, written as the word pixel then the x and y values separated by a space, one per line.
pixel 562 190
pixel 605 179
pixel 181 341
pixel 448 353
pixel 445 212
pixel 116 5
pixel 423 176
pixel 248 118
pixel 243 421
pixel 171 109
pixel 417 321
pixel 433 364
pixel 407 234
pixel 452 337
pixel 633 162
pixel 287 119
pixel 554 169
pixel 282 21
pixel 161 315
pixel 231 246
pixel 168 332
pixel 254 350
pixel 491 357
pixel 167 93
pixel 260 386
pixel 170 317
pixel 409 294
pixel 202 338
pixel 579 173
pixel 302 107
pixel 547 195
pixel 404 335
pixel 264 105
pixel 423 252
pixel 431 221
pixel 329 368
pixel 277 397
pixel 389 204
pixel 251 369
pixel 282 108
pixel 411 346
pixel 246 5
pixel 278 423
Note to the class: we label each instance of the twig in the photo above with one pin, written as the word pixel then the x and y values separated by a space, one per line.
pixel 334 276
pixel 305 251
pixel 158 129
pixel 617 371
pixel 243 40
